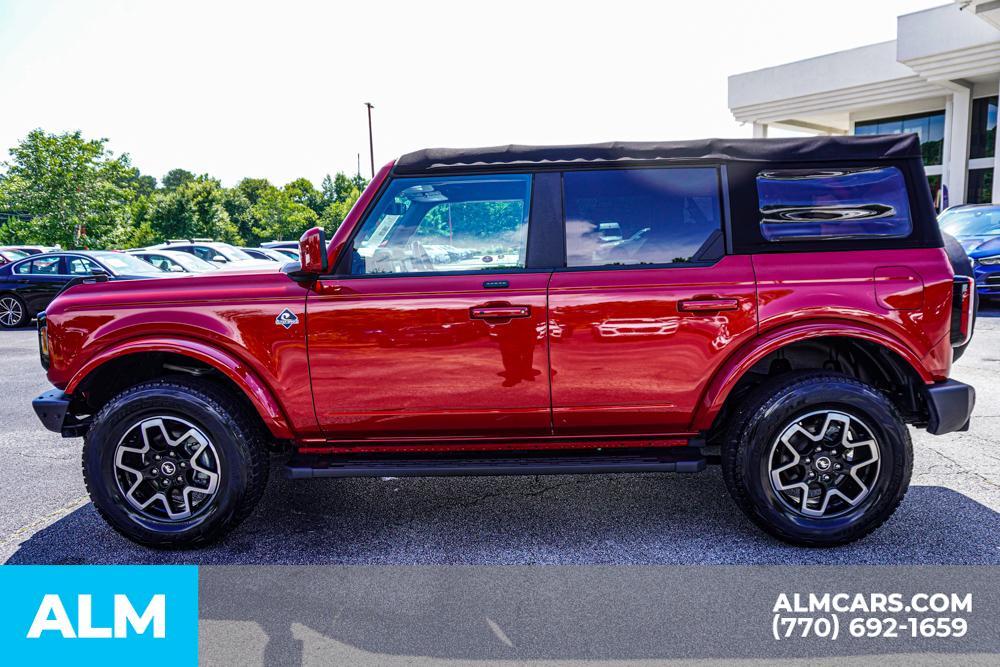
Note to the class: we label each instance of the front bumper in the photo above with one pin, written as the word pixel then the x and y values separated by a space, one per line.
pixel 987 280
pixel 950 405
pixel 52 409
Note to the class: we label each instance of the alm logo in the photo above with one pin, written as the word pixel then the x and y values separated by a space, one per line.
pixel 52 617
pixel 286 318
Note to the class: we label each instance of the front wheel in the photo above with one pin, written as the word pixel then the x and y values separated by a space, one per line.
pixel 13 312
pixel 174 463
pixel 817 459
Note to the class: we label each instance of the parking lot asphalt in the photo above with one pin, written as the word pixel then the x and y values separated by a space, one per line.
pixel 951 514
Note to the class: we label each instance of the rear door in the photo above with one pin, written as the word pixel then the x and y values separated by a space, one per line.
pixel 434 323
pixel 39 280
pixel 649 304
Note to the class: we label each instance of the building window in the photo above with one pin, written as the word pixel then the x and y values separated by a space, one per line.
pixel 833 204
pixel 984 127
pixel 928 127
pixel 980 186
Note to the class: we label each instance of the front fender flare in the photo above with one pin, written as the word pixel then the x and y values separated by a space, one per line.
pixel 237 371
pixel 743 360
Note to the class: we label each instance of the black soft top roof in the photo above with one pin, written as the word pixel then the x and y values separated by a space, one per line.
pixel 808 149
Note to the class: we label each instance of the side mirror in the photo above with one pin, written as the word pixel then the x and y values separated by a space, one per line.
pixel 312 250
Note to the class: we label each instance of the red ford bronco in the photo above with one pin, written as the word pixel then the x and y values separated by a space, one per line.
pixel 783 307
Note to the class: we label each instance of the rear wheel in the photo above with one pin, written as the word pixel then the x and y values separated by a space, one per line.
pixel 174 463
pixel 13 312
pixel 817 459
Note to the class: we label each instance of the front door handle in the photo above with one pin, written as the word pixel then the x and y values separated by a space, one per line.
pixel 707 305
pixel 499 312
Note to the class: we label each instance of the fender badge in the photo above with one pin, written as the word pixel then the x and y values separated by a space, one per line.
pixel 286 319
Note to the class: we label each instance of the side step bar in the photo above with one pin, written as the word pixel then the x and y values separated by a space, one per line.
pixel 672 459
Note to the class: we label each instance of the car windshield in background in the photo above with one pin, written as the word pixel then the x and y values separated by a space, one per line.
pixel 191 262
pixel 232 253
pixel 122 264
pixel 978 221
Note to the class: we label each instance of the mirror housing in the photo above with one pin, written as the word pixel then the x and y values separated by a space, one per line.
pixel 312 251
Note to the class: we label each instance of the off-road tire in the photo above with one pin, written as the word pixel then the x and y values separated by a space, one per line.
pixel 236 434
pixel 764 415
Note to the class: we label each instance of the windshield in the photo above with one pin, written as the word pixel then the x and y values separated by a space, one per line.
pixel 983 221
pixel 192 263
pixel 232 253
pixel 120 263
pixel 13 254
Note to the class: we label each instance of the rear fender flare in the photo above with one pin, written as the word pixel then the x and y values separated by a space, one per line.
pixel 233 368
pixel 743 360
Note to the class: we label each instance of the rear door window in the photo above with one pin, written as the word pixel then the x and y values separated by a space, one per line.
pixel 833 204
pixel 46 266
pixel 629 217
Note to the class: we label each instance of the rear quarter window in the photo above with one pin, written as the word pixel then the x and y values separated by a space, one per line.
pixel 833 204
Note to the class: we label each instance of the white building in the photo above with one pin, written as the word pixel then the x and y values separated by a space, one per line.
pixel 939 78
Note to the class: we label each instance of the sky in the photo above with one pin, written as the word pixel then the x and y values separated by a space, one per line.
pixel 277 89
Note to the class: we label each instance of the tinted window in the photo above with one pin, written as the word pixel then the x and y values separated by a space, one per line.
pixel 461 223
pixel 162 263
pixel 42 265
pixel 829 204
pixel 206 254
pixel 642 216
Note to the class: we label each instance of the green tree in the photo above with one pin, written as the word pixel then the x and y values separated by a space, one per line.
pixel 335 213
pixel 176 178
pixel 277 216
pixel 239 202
pixel 301 191
pixel 68 190
pixel 194 209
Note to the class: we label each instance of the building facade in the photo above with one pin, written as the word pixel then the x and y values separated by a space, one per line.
pixel 939 78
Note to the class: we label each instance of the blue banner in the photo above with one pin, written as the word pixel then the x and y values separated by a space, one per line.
pixel 92 614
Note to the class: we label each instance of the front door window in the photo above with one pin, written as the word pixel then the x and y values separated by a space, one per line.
pixel 459 223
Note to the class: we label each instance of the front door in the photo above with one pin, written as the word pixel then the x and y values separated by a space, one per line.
pixel 648 305
pixel 434 324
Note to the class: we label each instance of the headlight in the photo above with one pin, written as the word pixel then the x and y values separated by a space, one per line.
pixel 989 261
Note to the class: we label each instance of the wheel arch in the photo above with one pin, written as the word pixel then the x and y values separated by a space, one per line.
pixel 145 359
pixel 874 353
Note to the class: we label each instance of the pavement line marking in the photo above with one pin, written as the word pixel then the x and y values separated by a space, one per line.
pixel 501 635
pixel 47 519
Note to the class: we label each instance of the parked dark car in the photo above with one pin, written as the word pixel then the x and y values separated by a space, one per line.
pixel 28 285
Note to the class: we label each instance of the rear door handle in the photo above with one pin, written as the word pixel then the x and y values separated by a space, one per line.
pixel 707 305
pixel 499 312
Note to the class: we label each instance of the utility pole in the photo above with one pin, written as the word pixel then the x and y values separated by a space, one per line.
pixel 359 166
pixel 371 146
